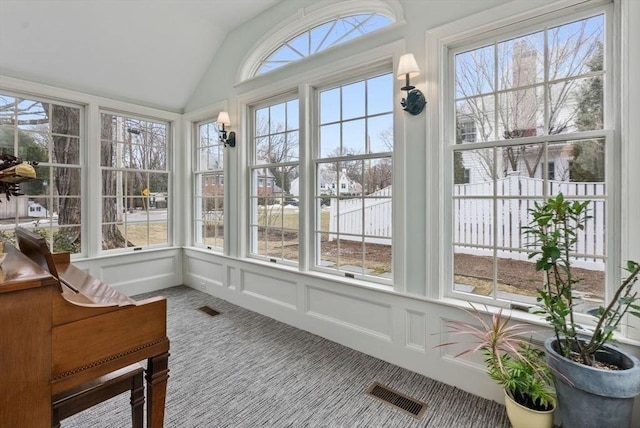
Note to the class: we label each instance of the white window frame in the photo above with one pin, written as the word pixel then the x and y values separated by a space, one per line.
pixel 81 166
pixel 346 187
pixel 199 175
pixel 472 32
pixel 304 84
pixel 310 17
pixel 265 182
pixel 291 50
pixel 167 171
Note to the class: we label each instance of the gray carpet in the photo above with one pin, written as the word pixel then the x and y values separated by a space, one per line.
pixel 241 369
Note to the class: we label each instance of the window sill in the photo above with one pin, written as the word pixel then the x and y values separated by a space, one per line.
pixel 516 315
pixel 361 283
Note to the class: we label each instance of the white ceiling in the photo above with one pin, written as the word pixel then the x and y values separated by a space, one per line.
pixel 152 52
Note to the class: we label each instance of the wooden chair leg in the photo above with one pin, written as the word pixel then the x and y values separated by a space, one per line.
pixel 137 401
pixel 157 375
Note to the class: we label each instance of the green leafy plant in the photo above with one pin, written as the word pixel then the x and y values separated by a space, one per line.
pixel 553 226
pixel 511 360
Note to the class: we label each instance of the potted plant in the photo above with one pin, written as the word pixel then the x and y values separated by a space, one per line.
pixel 514 363
pixel 595 382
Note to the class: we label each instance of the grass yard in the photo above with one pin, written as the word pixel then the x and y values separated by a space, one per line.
pixel 141 234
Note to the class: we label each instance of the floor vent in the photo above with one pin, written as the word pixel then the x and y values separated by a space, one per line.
pixel 209 311
pixel 398 400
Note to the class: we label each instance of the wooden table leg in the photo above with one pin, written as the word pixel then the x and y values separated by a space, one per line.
pixel 157 375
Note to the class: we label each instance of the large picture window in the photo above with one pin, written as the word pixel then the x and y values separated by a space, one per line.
pixel 135 181
pixel 353 177
pixel 49 133
pixel 529 118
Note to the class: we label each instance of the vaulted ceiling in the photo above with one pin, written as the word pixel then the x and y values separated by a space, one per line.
pixel 152 52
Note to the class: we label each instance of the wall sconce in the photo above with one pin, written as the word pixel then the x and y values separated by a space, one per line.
pixel 407 68
pixel 223 119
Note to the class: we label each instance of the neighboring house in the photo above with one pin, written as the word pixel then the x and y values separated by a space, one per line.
pixel 478 165
pixel 347 186
pixel 37 210
pixel 295 187
pixel 328 185
pixel 213 185
pixel 267 185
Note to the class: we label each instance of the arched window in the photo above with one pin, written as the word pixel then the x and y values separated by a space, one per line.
pixel 321 37
pixel 317 28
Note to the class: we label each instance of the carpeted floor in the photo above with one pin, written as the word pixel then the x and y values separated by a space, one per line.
pixel 241 369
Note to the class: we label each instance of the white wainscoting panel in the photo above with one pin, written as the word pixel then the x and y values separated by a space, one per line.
pixel 125 273
pixel 272 289
pixel 459 344
pixel 206 272
pixel 350 311
pixel 137 273
pixel 416 324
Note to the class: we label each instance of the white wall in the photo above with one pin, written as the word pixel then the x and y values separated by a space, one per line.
pixel 404 325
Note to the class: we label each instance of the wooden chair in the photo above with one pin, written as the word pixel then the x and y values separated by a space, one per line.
pixel 77 399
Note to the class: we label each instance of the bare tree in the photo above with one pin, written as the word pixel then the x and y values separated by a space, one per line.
pixel 65 121
pixel 62 124
pixel 378 173
pixel 111 235
pixel 280 150
pixel 511 97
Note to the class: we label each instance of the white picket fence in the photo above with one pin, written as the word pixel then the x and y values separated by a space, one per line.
pixel 370 216
pixel 15 207
pixel 473 225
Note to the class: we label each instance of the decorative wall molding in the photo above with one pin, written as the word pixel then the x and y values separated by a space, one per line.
pixel 269 288
pixel 137 273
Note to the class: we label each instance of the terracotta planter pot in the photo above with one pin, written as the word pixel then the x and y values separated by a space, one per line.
pixel 524 417
pixel 589 397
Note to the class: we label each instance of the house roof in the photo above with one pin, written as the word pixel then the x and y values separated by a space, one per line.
pixel 148 52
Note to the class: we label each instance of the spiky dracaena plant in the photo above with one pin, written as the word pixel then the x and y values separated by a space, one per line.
pixel 511 360
pixel 553 227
